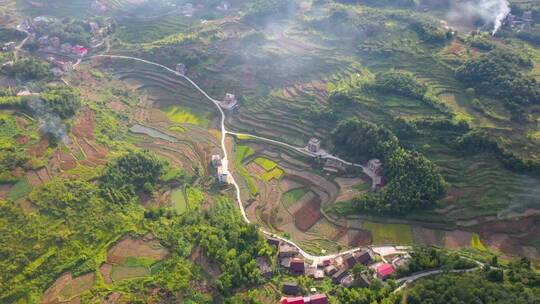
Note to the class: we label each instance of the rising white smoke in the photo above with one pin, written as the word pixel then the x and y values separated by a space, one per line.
pixel 490 11
pixel 50 123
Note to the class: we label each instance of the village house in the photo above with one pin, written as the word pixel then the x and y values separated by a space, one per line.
pixel 363 281
pixel 287 251
pixel 265 268
pixel 216 160
pixel 223 177
pixel 285 262
pixel 375 165
pixel 229 102
pixel 314 145
pixel 273 242
pixel 297 266
pixel 330 270
pixel 347 281
pixel 9 46
pixel 363 257
pixel 290 288
pixel 43 41
pixel 338 276
pixel 79 50
pixel 401 261
pixel 384 271
pixel 181 68
pixel 313 299
pixel 333 166
pixel 349 260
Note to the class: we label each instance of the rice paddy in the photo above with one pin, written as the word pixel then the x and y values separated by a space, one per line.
pixel 186 115
pixel 290 197
pixel 383 233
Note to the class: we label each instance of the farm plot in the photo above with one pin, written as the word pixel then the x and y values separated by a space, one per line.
pixel 132 257
pixel 67 288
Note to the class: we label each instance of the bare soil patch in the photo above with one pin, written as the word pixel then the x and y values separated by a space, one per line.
pixel 4 189
pixel 308 215
pixel 105 271
pixel 128 246
pixel 355 238
pixel 66 288
pixel 458 239
pixel 38 149
pixel 425 236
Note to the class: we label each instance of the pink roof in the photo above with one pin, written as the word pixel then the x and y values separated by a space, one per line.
pixel 318 299
pixel 79 49
pixel 385 270
pixel 297 300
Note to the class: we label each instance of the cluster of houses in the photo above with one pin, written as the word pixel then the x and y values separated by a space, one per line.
pixel 523 23
pixel 339 269
pixel 54 44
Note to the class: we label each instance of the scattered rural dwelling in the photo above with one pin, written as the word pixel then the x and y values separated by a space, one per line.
pixel 527 15
pixel 222 176
pixel 9 46
pixel 273 241
pixel 265 267
pixel 363 257
pixel 350 260
pixel 290 288
pixel 79 50
pixel 216 160
pixel 65 66
pixel 319 274
pixel 375 165
pixel 333 165
pixel 65 48
pixel 336 278
pixel 330 270
pixel 41 21
pixel 318 299
pixel 363 281
pixel 287 251
pixel 326 263
pixel 181 68
pixel 298 266
pixel 384 271
pixel 229 102
pixel 94 27
pixel 314 145
pixel 296 300
pixel 347 281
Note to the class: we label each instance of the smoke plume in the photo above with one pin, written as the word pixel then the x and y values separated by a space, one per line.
pixel 50 123
pixel 490 11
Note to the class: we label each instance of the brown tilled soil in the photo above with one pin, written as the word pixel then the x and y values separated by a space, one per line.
pixel 63 160
pixel 457 239
pixel 308 215
pixel 117 106
pixel 84 127
pixel 112 298
pixel 145 247
pixel 425 236
pixel 22 139
pixel 105 271
pixel 360 237
pixel 67 289
pixel 38 149
pixel 33 178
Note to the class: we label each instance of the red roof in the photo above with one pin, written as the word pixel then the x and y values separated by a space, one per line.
pixel 79 49
pixel 318 299
pixel 297 300
pixel 385 270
